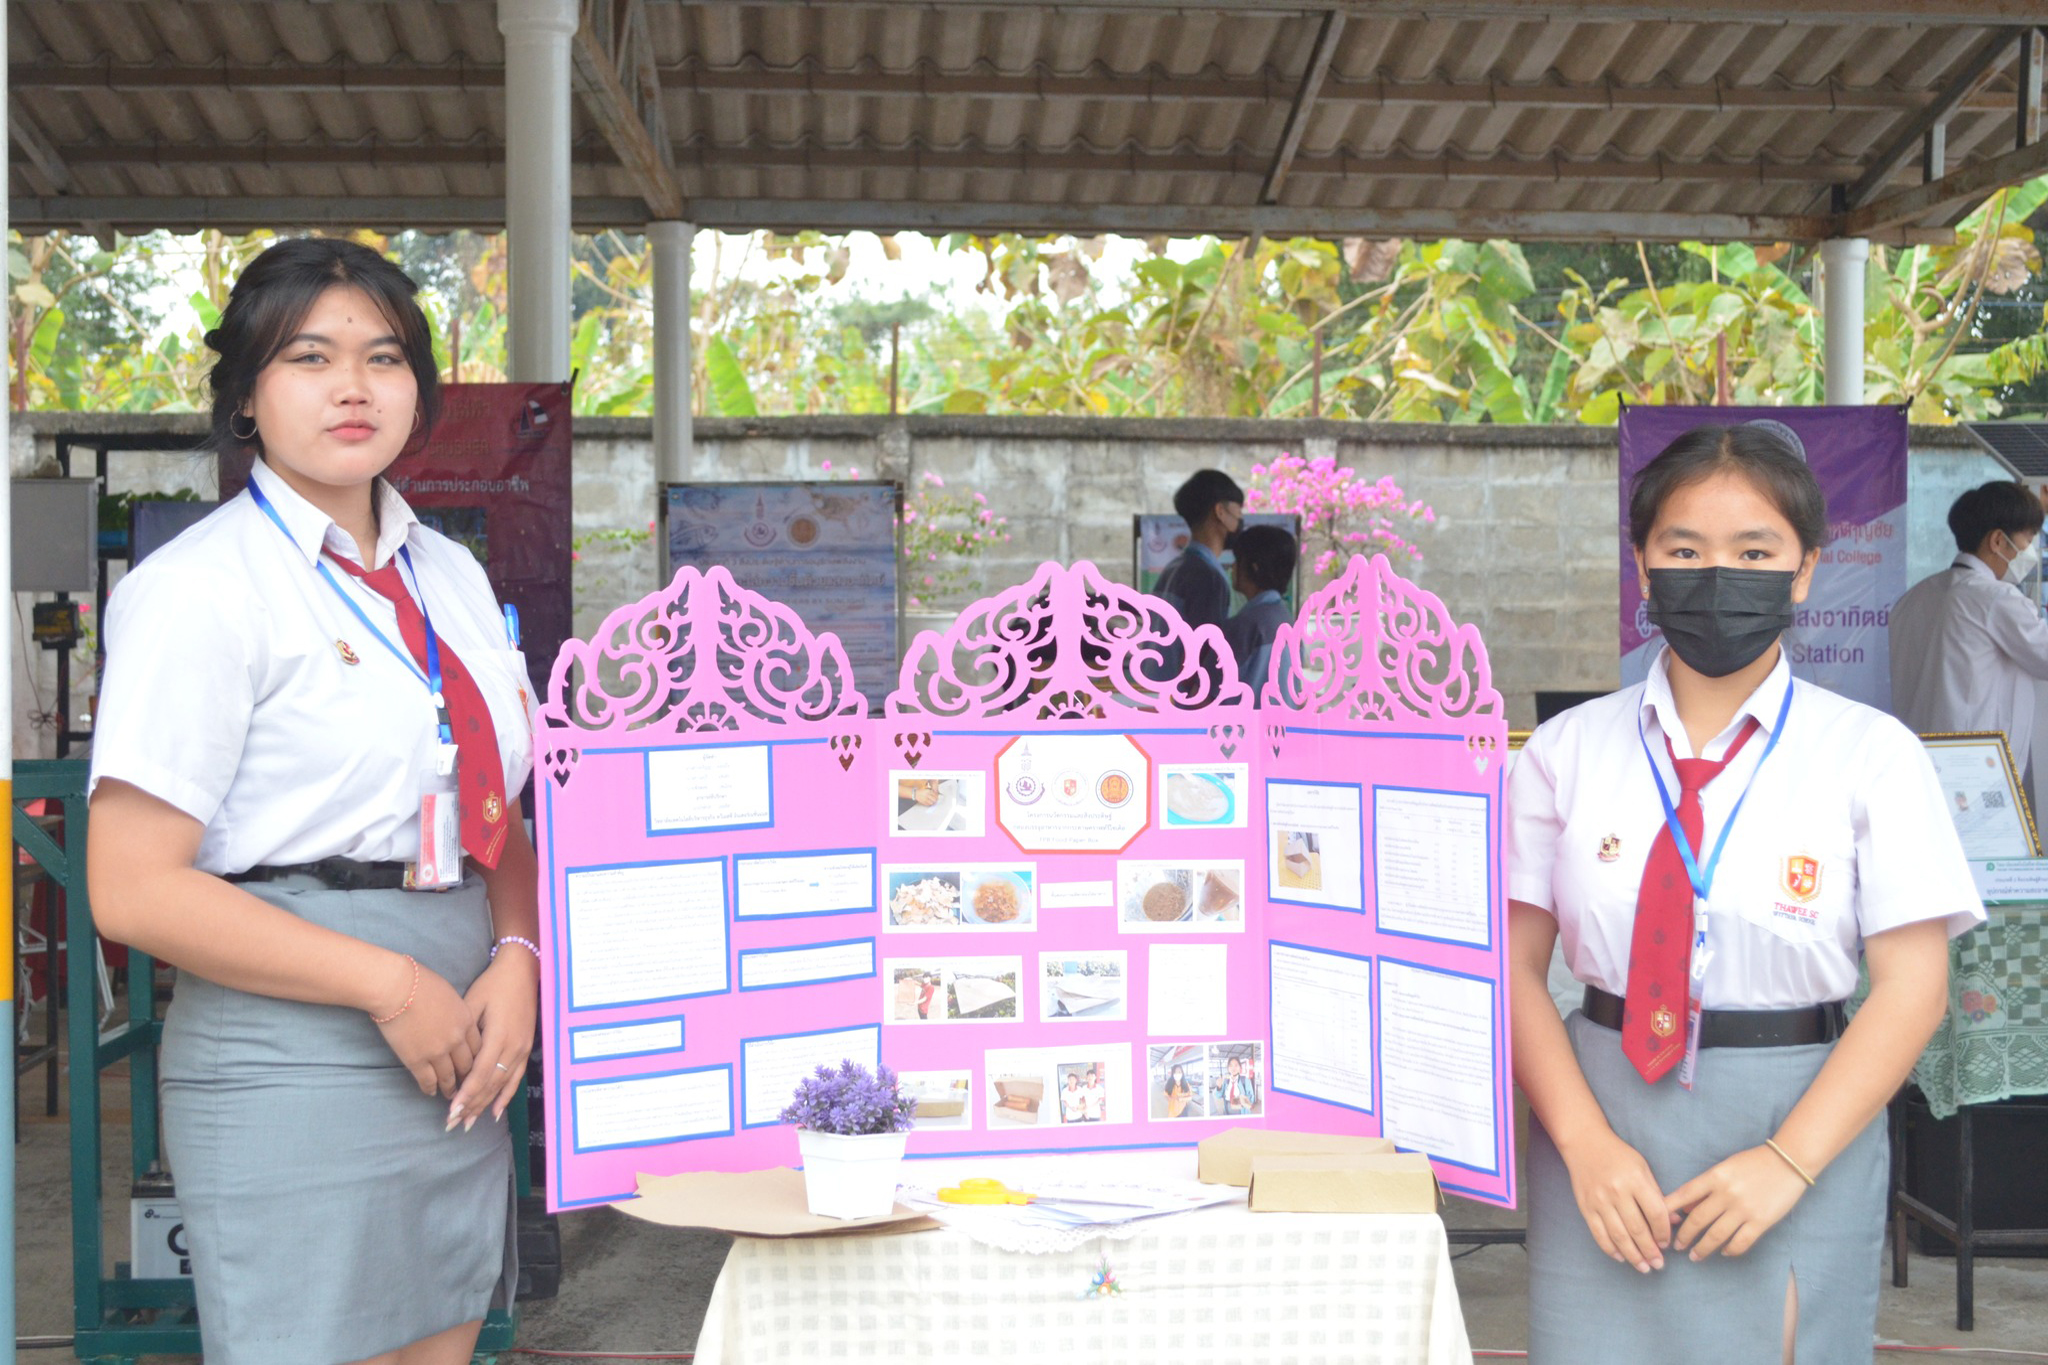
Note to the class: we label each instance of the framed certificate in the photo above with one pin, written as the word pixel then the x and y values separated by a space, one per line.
pixel 1982 791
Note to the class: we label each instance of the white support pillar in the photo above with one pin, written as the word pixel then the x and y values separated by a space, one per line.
pixel 670 243
pixel 537 37
pixel 1842 261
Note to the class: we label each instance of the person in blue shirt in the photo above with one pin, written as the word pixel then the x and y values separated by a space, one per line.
pixel 1265 566
pixel 1194 584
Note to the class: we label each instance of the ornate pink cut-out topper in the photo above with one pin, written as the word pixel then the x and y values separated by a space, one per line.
pixel 702 654
pixel 1068 645
pixel 1373 646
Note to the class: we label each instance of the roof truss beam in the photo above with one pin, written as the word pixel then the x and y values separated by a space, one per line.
pixel 1138 87
pixel 1955 190
pixel 1911 140
pixel 1319 59
pixel 612 29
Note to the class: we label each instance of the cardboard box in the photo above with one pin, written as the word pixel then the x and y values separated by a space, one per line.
pixel 1393 1182
pixel 1226 1158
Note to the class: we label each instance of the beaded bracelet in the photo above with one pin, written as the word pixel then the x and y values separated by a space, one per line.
pixel 525 943
pixel 408 995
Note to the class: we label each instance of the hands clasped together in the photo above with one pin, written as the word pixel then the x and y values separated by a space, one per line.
pixel 1725 1208
pixel 471 1048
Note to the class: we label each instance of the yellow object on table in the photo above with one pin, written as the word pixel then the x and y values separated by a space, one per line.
pixel 981 1190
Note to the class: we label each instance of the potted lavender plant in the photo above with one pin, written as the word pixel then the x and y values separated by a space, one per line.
pixel 852 1128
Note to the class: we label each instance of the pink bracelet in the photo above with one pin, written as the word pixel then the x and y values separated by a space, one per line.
pixel 525 943
pixel 408 995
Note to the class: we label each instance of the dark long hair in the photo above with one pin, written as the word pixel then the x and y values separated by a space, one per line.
pixel 1757 453
pixel 270 302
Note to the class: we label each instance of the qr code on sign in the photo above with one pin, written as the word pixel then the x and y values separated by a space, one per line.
pixel 1994 800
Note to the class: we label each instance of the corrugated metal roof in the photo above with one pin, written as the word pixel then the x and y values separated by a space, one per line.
pixel 1141 118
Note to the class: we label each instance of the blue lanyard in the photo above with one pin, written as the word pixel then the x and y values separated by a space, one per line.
pixel 432 677
pixel 1703 878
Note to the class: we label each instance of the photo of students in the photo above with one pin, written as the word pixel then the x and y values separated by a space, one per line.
pixel 1235 1088
pixel 1071 1101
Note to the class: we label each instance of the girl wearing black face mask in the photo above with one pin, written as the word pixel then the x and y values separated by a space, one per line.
pixel 1716 849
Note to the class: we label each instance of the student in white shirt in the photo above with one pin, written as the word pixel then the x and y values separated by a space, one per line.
pixel 268 737
pixel 1732 1220
pixel 1967 645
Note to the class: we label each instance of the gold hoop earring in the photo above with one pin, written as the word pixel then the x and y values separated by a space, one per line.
pixel 249 435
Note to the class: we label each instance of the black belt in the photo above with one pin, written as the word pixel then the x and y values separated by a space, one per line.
pixel 337 874
pixel 1740 1028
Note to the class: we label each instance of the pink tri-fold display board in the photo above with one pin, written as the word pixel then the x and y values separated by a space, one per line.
pixel 1073 885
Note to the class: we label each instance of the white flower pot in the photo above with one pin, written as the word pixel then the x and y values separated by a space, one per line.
pixel 851 1176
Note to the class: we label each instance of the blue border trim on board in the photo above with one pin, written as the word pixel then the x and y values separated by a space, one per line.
pixel 1372 734
pixel 1187 1146
pixel 568 932
pixel 663 1141
pixel 647 790
pixel 1492 1044
pixel 1272 899
pixel 558 917
pixel 682 743
pixel 1001 733
pixel 676 1019
pixel 785 1037
pixel 1485 799
pixel 874 964
pixel 1372 986
pixel 874 862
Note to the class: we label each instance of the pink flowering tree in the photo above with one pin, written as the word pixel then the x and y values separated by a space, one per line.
pixel 941 531
pixel 1342 512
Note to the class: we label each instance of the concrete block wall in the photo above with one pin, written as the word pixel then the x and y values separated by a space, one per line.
pixel 1524 545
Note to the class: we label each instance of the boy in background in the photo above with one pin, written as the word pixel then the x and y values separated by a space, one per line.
pixel 1212 505
pixel 1265 566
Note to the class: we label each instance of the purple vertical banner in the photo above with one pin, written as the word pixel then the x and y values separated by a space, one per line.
pixel 1839 634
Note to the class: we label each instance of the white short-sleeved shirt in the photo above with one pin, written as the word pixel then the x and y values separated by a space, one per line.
pixel 1967 648
pixel 1844 834
pixel 228 692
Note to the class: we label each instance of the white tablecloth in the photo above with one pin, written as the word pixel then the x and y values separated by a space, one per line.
pixel 1222 1284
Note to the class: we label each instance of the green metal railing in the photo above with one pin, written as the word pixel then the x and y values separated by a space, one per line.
pixel 118 1318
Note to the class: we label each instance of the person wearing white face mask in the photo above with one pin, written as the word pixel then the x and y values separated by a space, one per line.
pixel 1968 643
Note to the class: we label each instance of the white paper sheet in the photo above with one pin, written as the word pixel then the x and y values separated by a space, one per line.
pixel 1187 990
pixel 1429 864
pixel 646 933
pixel 791 966
pixel 1322 1025
pixel 1077 895
pixel 712 788
pixel 639 1110
pixel 771 1067
pixel 594 1044
pixel 1314 843
pixel 803 884
pixel 1437 1063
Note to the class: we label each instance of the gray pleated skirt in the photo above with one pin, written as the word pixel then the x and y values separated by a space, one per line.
pixel 1585 1309
pixel 330 1218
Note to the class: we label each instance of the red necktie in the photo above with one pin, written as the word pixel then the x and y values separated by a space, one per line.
pixel 1660 951
pixel 483 775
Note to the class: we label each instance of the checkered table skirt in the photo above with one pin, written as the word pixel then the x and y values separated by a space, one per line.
pixel 1222 1285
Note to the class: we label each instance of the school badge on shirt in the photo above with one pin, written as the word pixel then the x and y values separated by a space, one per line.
pixel 348 656
pixel 1610 848
pixel 1801 877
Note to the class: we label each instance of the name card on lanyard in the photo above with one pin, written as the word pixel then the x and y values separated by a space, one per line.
pixel 1702 878
pixel 439 865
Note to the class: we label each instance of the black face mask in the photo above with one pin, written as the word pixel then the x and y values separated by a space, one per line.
pixel 1719 621
pixel 1230 539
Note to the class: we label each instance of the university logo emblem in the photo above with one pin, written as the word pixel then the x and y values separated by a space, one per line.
pixel 1802 877
pixel 1663 1022
pixel 1610 847
pixel 493 808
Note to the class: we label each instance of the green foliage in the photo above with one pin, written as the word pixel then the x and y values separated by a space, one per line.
pixel 1447 331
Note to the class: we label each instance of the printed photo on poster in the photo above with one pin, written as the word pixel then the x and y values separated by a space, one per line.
pixel 982 896
pixel 943 1097
pixel 1237 1079
pixel 1315 844
pixel 1052 1087
pixel 950 990
pixel 936 805
pixel 1204 796
pixel 1177 1081
pixel 1180 897
pixel 1082 986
